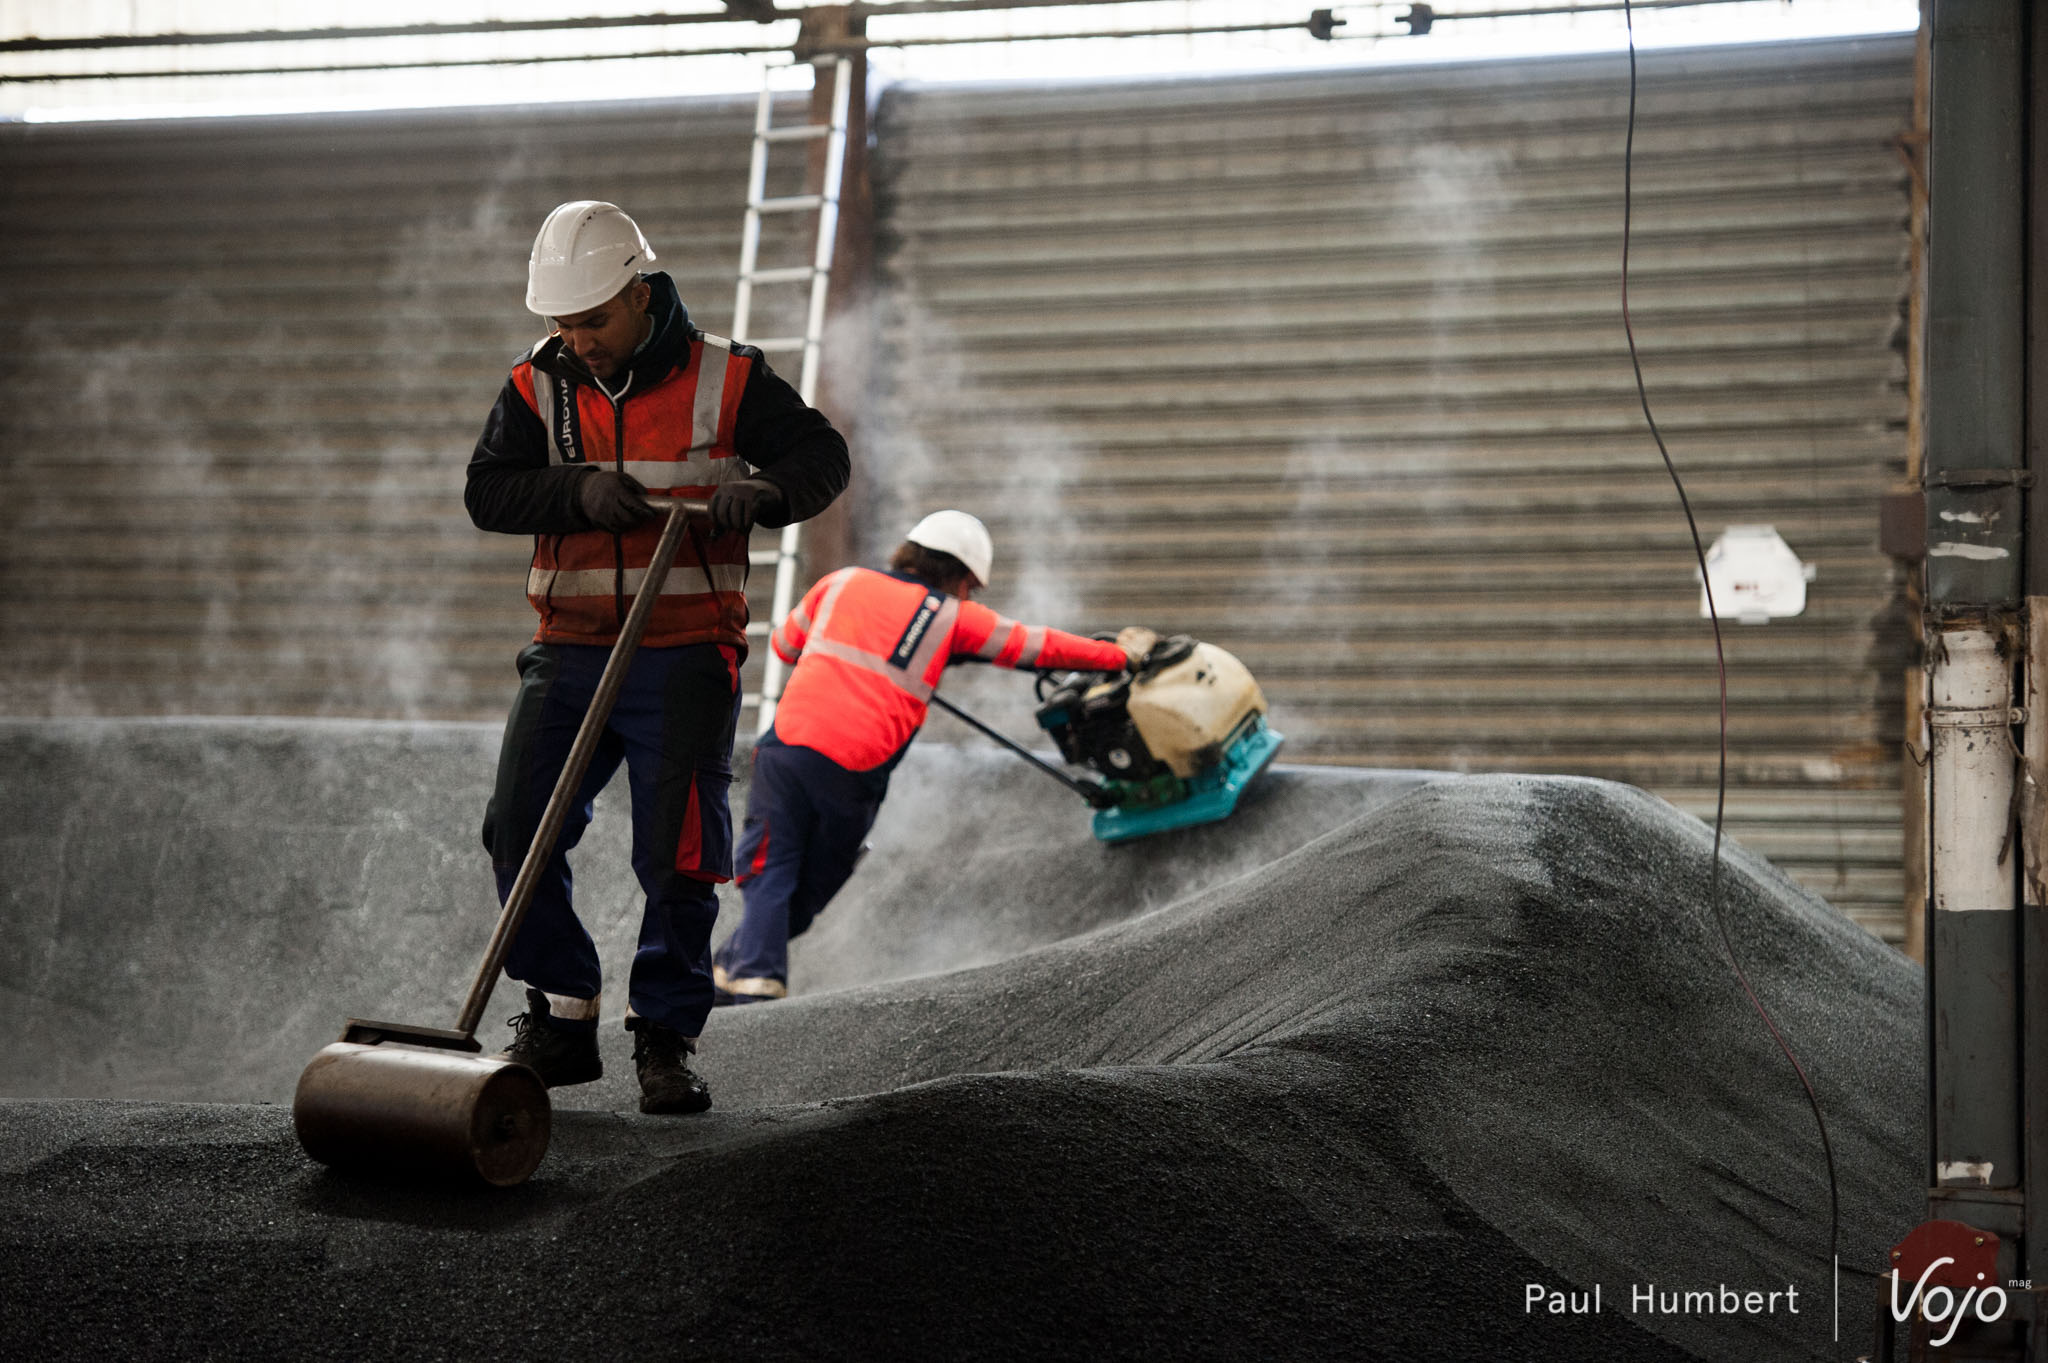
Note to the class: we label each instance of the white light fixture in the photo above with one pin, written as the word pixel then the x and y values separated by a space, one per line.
pixel 1755 575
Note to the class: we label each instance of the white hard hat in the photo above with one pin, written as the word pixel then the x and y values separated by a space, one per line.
pixel 586 252
pixel 958 534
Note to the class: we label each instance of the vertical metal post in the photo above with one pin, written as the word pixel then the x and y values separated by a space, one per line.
pixel 1976 1074
pixel 2033 932
pixel 2034 776
pixel 1974 472
pixel 1911 503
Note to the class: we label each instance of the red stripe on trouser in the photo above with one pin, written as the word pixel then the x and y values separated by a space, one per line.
pixel 690 845
pixel 759 861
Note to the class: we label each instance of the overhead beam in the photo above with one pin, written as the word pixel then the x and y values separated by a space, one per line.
pixel 324 35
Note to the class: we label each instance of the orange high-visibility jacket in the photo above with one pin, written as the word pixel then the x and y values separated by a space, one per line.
pixel 869 649
pixel 676 437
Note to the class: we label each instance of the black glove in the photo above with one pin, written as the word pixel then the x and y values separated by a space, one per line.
pixel 737 507
pixel 1164 654
pixel 613 501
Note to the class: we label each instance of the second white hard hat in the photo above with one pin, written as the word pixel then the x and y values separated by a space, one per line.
pixel 958 534
pixel 585 253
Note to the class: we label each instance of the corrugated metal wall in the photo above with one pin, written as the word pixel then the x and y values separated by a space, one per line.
pixel 248 361
pixel 1325 368
pixel 1329 370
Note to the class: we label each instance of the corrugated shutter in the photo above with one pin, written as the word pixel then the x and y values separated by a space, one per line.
pixel 1329 370
pixel 250 358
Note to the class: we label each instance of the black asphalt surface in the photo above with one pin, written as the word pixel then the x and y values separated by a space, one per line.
pixel 1369 1071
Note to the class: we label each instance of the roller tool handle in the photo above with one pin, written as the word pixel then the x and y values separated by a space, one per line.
pixel 608 687
pixel 1096 796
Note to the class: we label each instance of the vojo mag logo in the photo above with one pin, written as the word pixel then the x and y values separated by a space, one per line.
pixel 1953 1271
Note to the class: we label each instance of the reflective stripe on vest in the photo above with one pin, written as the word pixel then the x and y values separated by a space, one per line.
pixel 678 439
pixel 783 640
pixel 683 579
pixel 1005 630
pixel 696 469
pixel 998 635
pixel 908 676
pixel 830 599
pixel 565 439
pixel 1034 644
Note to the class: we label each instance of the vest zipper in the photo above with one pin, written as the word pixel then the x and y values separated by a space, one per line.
pixel 618 540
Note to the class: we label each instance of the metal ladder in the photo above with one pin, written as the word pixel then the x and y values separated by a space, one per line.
pixel 818 275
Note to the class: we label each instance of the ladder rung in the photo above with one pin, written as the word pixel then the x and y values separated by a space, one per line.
pixel 793 203
pixel 797 131
pixel 761 558
pixel 778 343
pixel 790 274
pixel 757 630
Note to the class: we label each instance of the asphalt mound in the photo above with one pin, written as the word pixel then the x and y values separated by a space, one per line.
pixel 1353 1097
pixel 199 904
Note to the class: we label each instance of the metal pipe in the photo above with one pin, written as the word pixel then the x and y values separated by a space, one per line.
pixel 1193 30
pixel 655 20
pixel 886 8
pixel 437 63
pixel 1975 425
pixel 2033 934
pixel 1976 1130
pixel 849 46
pixel 111 41
pixel 320 35
pixel 2033 924
pixel 1593 7
pixel 1976 421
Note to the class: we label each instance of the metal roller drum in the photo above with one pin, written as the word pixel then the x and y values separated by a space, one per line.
pixel 413 1109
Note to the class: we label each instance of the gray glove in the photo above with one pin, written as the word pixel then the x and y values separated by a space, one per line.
pixel 613 501
pixel 736 507
pixel 1137 642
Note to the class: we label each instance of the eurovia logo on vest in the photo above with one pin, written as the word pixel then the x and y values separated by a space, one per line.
pixel 906 647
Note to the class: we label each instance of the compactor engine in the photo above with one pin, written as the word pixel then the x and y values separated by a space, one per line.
pixel 1171 745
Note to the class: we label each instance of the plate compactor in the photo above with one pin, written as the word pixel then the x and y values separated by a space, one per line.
pixel 1170 745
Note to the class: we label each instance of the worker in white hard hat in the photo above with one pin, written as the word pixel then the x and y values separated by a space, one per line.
pixel 869 649
pixel 622 398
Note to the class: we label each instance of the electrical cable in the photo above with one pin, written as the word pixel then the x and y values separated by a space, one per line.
pixel 862 44
pixel 1720 659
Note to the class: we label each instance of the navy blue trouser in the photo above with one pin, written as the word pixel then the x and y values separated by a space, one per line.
pixel 673 728
pixel 806 817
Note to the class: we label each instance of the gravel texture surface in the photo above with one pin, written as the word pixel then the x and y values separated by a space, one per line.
pixel 1343 1077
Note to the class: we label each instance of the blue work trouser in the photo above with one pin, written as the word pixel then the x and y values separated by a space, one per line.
pixel 806 817
pixel 672 726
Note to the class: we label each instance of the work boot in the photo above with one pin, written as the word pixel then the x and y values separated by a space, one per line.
pixel 667 1083
pixel 728 991
pixel 559 1054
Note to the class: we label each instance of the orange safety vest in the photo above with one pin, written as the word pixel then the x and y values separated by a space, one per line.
pixel 870 648
pixel 676 437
